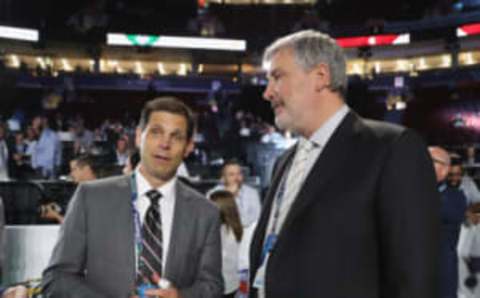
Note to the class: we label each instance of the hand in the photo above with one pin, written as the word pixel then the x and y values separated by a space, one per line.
pixel 50 212
pixel 16 292
pixel 163 293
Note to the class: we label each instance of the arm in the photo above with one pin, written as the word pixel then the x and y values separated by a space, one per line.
pixel 254 208
pixel 65 274
pixel 408 208
pixel 209 281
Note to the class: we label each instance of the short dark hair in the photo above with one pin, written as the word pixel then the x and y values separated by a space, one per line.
pixel 88 160
pixel 231 162
pixel 134 158
pixel 168 104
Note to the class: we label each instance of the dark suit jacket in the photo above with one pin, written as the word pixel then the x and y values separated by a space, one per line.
pixel 94 256
pixel 365 223
pixel 453 207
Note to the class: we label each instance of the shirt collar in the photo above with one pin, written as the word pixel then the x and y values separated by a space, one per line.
pixel 442 186
pixel 143 186
pixel 321 136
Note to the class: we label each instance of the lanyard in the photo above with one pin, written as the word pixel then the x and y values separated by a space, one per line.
pixel 136 220
pixel 273 234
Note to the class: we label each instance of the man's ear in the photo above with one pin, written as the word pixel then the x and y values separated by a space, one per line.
pixel 189 149
pixel 322 77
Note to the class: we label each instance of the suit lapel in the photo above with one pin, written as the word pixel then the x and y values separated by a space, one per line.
pixel 125 207
pixel 258 238
pixel 179 235
pixel 329 165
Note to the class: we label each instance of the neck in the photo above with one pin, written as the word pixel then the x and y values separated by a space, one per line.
pixel 153 181
pixel 326 108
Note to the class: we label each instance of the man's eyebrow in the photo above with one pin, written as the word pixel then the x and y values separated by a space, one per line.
pixel 273 72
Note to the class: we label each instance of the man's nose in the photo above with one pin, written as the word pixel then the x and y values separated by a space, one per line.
pixel 165 142
pixel 268 93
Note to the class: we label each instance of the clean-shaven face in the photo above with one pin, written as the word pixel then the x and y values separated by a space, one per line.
pixel 163 146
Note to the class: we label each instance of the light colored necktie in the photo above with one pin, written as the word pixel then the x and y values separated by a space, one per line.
pixel 296 175
pixel 295 179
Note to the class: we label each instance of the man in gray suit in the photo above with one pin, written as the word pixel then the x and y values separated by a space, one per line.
pixel 105 246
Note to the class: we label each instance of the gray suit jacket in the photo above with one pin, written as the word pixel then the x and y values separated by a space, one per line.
pixel 94 256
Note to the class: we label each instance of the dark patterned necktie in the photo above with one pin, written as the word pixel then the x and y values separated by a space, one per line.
pixel 150 263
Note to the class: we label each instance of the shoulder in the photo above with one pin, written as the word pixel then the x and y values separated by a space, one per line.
pixel 105 189
pixel 106 183
pixel 198 201
pixel 378 129
pixel 383 134
pixel 249 189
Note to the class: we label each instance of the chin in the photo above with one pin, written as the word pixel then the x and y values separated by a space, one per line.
pixel 165 176
pixel 280 124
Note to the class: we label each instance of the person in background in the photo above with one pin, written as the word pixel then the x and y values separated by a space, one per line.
pixel 457 178
pixel 30 140
pixel 82 169
pixel 21 161
pixel 132 162
pixel 471 155
pixel 231 233
pixel 453 207
pixel 121 151
pixel 246 197
pixel 47 153
pixel 83 138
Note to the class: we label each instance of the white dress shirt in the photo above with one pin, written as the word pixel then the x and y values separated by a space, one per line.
pixel 167 206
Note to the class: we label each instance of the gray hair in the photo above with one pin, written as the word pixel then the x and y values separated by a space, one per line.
pixel 311 48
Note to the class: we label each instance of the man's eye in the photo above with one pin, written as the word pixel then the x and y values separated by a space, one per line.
pixel 178 137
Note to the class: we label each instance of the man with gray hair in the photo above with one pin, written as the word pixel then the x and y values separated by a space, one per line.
pixel 352 210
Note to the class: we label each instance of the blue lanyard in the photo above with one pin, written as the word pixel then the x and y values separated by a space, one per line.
pixel 273 234
pixel 136 220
